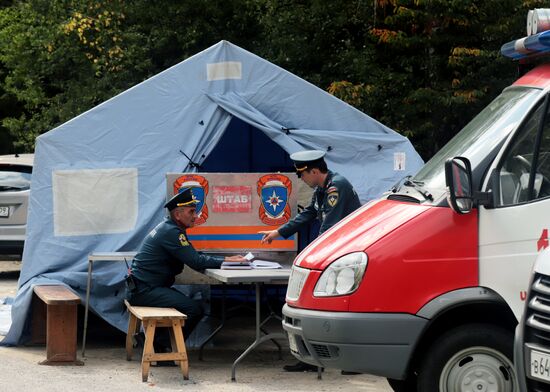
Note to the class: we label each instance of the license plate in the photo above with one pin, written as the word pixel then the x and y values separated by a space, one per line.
pixel 540 365
pixel 292 343
pixel 4 212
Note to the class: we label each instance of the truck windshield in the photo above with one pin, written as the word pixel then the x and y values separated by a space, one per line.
pixel 481 136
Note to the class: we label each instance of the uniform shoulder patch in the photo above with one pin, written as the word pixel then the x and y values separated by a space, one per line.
pixel 332 189
pixel 183 240
pixel 332 198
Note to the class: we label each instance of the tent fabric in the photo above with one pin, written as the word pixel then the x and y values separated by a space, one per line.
pixel 166 124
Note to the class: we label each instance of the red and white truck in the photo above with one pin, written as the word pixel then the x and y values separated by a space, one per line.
pixel 426 285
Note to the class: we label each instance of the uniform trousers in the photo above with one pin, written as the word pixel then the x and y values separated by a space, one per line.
pixel 167 297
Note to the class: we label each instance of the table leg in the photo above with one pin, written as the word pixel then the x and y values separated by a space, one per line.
pixel 259 339
pixel 218 329
pixel 87 307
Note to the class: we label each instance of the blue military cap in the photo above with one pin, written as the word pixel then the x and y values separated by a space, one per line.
pixel 184 197
pixel 304 160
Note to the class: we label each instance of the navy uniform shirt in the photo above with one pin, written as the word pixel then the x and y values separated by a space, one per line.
pixel 330 203
pixel 164 253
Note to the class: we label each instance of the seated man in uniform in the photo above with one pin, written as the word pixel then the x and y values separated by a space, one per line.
pixel 162 256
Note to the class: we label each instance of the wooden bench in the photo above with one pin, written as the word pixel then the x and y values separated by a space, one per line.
pixel 55 314
pixel 152 318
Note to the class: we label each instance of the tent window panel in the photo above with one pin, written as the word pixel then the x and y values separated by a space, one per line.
pixel 245 149
pixel 94 201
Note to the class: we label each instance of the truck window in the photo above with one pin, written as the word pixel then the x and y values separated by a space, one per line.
pixel 518 182
pixel 543 163
pixel 482 135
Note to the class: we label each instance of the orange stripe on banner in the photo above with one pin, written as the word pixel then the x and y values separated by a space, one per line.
pixel 284 244
pixel 229 229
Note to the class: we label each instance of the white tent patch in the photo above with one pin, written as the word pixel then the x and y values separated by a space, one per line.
pixel 89 202
pixel 224 70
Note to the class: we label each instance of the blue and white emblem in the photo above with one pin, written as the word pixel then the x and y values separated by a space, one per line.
pixel 274 191
pixel 274 199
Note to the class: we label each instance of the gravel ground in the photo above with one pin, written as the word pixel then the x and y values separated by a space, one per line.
pixel 105 366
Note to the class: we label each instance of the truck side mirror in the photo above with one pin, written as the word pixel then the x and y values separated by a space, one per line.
pixel 458 176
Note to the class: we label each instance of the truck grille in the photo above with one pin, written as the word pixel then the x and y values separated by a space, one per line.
pixel 537 321
pixel 538 311
pixel 296 282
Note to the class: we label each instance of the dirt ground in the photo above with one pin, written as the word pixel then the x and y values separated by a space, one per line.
pixel 105 366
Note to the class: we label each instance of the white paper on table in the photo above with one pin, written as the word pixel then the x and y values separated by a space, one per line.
pixel 264 264
pixel 261 264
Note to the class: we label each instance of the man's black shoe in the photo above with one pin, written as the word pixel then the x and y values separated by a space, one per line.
pixel 348 373
pixel 300 367
pixel 161 348
pixel 138 340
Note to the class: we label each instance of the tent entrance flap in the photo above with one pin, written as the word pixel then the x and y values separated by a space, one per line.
pixel 245 149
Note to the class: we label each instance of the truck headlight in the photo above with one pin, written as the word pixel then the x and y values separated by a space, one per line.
pixel 342 276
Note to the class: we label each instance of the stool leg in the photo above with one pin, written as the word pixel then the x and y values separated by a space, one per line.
pixel 38 325
pixel 173 340
pixel 177 326
pixel 148 350
pixel 61 333
pixel 132 324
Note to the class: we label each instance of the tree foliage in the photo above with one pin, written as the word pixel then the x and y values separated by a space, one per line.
pixel 435 64
pixel 422 67
pixel 63 57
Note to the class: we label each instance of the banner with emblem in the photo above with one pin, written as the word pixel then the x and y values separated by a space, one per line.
pixel 199 184
pixel 274 191
pixel 235 207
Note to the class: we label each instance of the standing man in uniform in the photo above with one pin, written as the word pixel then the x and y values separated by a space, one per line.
pixel 163 255
pixel 333 199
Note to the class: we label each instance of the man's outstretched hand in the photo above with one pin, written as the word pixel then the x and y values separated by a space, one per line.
pixel 269 236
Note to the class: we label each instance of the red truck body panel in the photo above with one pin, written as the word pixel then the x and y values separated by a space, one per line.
pixel 422 250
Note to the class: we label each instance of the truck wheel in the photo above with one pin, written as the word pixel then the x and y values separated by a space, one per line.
pixel 402 385
pixel 473 357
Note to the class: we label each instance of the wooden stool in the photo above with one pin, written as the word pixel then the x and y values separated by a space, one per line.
pixel 152 318
pixel 54 320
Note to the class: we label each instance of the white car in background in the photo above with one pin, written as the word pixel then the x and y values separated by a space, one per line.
pixel 15 184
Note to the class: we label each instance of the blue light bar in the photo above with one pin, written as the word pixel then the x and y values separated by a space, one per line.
pixel 527 46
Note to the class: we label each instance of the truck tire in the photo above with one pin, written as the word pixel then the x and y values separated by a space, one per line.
pixel 402 385
pixel 472 357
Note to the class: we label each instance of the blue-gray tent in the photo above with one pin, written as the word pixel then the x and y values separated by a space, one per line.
pixel 99 179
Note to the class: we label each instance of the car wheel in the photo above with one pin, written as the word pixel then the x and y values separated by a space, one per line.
pixel 473 357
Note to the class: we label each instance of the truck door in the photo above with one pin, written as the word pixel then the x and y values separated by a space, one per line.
pixel 510 230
